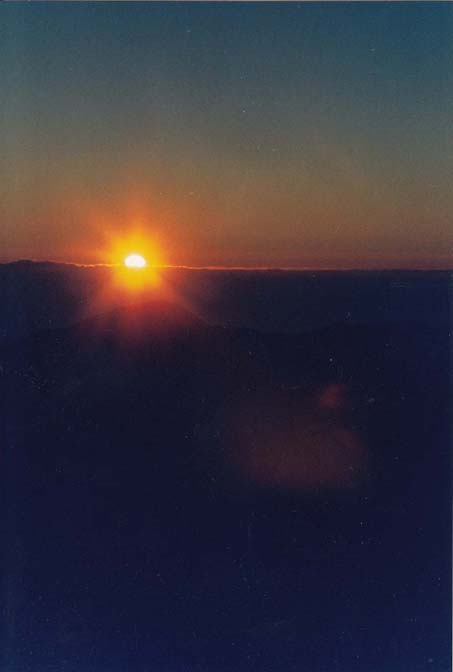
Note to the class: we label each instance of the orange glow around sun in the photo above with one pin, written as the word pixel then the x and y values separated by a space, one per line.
pixel 135 259
pixel 133 274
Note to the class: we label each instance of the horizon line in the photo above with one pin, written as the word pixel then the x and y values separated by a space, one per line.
pixel 300 269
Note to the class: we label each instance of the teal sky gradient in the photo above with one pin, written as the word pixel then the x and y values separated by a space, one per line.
pixel 254 134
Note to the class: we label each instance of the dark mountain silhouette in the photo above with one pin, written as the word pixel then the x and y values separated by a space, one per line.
pixel 189 497
pixel 41 296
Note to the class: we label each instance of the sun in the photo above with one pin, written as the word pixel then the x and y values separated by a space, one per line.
pixel 135 261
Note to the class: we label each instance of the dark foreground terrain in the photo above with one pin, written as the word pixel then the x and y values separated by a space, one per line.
pixel 183 494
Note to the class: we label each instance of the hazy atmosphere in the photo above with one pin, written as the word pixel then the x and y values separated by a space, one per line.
pixel 308 135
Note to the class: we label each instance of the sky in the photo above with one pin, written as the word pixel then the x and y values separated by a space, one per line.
pixel 243 134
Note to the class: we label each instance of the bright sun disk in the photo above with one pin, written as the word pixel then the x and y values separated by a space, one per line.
pixel 135 261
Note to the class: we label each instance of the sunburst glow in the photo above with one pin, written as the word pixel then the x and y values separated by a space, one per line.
pixel 135 261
